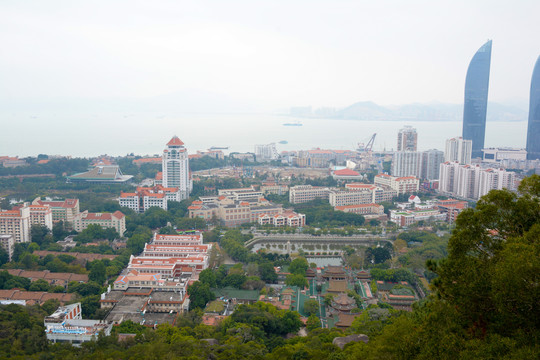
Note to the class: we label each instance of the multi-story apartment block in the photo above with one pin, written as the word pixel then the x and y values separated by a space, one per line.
pixel 402 185
pixel 309 162
pixel 20 219
pixel 471 181
pixel 273 188
pixel 452 208
pixel 458 149
pixel 362 209
pixel 175 168
pixel 379 194
pixel 115 220
pixel 495 179
pixel 430 163
pixel 342 198
pixel 407 139
pixel 266 152
pixel 304 193
pixel 406 163
pixel 242 194
pixel 146 197
pixel 17 223
pixel 231 212
pixel 287 218
pixel 7 241
pixel 318 158
pixel 193 239
pixel 176 251
pixel 41 215
pixel 62 210
pixel 408 217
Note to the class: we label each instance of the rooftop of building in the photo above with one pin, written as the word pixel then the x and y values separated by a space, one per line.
pixel 346 172
pixel 175 141
pixel 102 216
pixel 233 293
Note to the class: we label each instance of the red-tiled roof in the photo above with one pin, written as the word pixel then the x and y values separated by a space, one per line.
pixel 175 141
pixel 346 172
pixel 155 160
pixel 359 186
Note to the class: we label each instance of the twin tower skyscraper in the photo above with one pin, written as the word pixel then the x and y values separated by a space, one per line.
pixel 475 106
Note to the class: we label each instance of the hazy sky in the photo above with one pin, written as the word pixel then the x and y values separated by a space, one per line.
pixel 274 53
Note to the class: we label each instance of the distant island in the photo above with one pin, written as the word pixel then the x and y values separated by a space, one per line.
pixel 368 110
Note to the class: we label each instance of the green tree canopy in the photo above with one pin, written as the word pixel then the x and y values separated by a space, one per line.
pixel 299 266
pixel 311 307
pixel 491 273
pixel 199 295
pixel 296 280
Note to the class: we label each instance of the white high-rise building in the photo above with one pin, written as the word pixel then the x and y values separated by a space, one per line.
pixel 430 164
pixel 266 152
pixel 495 179
pixel 175 165
pixel 471 181
pixel 448 177
pixel 406 163
pixel 458 149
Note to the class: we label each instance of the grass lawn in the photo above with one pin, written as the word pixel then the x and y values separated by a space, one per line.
pixel 215 306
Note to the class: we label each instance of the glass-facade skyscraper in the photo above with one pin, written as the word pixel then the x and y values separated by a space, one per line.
pixel 533 129
pixel 476 94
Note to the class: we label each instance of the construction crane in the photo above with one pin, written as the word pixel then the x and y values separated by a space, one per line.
pixel 367 148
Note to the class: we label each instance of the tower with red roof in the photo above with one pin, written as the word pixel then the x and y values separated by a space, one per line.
pixel 175 164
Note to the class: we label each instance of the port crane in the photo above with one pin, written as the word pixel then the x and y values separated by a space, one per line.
pixel 367 148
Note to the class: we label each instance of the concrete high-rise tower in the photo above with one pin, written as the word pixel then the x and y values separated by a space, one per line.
pixel 458 149
pixel 533 129
pixel 476 95
pixel 175 165
pixel 407 139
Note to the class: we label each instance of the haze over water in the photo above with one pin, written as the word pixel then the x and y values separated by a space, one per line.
pixel 115 134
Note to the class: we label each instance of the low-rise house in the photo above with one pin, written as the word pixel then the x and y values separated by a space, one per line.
pixel 53 278
pixel 237 296
pixel 35 297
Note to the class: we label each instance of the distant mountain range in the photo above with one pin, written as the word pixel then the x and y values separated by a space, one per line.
pixel 368 110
